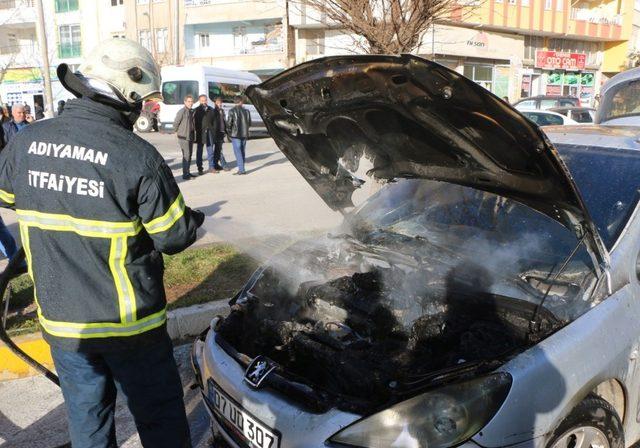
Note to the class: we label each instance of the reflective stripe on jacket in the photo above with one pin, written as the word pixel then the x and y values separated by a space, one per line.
pixel 96 205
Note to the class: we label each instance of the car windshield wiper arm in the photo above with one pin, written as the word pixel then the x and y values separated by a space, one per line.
pixel 533 323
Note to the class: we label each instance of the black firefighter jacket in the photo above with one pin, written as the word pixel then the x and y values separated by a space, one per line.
pixel 95 204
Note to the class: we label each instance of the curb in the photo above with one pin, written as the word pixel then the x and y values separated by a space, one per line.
pixel 182 323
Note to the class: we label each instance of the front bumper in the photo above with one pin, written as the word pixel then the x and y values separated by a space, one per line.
pixel 298 428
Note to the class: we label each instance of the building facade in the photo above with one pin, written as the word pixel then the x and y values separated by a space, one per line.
pixel 515 48
pixel 20 75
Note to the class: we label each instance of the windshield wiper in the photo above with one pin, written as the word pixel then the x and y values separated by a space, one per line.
pixel 534 325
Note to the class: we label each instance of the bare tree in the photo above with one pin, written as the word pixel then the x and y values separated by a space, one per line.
pixel 384 26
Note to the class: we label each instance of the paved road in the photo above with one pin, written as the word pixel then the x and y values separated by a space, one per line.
pixel 32 413
pixel 271 200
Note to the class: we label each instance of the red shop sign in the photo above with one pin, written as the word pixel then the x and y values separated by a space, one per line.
pixel 560 60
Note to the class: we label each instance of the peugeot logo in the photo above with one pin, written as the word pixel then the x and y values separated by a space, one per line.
pixel 258 370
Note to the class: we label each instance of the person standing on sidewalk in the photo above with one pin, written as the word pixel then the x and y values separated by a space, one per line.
pixel 217 134
pixel 94 230
pixel 203 116
pixel 185 129
pixel 19 120
pixel 238 125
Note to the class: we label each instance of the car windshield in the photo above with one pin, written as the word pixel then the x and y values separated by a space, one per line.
pixel 582 116
pixel 622 100
pixel 227 92
pixel 470 237
pixel 608 181
pixel 174 92
pixel 543 119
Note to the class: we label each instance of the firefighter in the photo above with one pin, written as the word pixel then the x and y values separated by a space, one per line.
pixel 96 207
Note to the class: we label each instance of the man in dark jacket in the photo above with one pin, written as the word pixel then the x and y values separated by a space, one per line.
pixel 238 125
pixel 218 130
pixel 19 120
pixel 203 116
pixel 96 206
pixel 185 129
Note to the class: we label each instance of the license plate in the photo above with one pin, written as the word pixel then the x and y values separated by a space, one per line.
pixel 253 432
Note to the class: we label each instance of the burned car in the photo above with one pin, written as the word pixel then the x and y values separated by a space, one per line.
pixel 482 290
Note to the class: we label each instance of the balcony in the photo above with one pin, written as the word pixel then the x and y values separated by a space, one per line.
pixel 208 2
pixel 18 56
pixel 17 12
pixel 596 15
pixel 219 11
pixel 69 51
pixel 11 4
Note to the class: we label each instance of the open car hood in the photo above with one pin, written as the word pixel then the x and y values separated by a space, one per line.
pixel 407 117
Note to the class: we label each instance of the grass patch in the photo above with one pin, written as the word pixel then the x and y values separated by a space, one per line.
pixel 194 276
pixel 205 274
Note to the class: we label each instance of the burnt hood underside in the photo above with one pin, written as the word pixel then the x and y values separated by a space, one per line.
pixel 413 118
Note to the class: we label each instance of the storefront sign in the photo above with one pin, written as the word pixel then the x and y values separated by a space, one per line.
pixel 479 41
pixel 448 41
pixel 560 60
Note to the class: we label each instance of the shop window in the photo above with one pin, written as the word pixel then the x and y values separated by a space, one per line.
pixel 547 5
pixel 315 42
pixel 481 74
pixel 531 44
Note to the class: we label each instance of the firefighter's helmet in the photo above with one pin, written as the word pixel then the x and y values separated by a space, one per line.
pixel 118 71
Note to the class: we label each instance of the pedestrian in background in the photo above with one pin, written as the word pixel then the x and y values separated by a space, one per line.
pixel 61 104
pixel 39 110
pixel 19 119
pixel 184 127
pixel 238 125
pixel 6 116
pixel 203 116
pixel 8 130
pixel 217 134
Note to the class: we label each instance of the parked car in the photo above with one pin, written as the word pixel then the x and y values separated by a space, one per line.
pixel 620 100
pixel 485 294
pixel 582 115
pixel 178 81
pixel 546 102
pixel 546 117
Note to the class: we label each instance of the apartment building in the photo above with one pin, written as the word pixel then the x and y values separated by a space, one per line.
pixel 243 35
pixel 235 34
pixel 20 76
pixel 515 48
pixel 156 24
pixel 78 25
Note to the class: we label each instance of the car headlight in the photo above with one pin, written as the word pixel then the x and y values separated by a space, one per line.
pixel 436 419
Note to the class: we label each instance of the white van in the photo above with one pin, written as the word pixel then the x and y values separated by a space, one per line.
pixel 178 81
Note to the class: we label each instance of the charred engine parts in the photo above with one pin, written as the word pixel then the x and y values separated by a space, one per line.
pixel 369 338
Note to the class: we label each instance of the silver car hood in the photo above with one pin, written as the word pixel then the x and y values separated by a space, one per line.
pixel 407 117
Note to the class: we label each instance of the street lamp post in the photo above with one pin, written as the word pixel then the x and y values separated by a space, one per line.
pixel 44 54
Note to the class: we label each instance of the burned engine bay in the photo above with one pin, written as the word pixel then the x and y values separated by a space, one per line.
pixel 375 328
